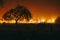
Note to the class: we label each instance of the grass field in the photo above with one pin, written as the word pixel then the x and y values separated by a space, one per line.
pixel 29 31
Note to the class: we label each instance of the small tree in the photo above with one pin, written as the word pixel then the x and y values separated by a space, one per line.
pixel 57 20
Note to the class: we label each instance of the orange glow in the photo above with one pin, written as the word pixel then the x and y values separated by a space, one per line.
pixel 39 21
pixel 10 21
pixel 24 21
pixel 1 21
pixel 31 21
pixel 43 20
pixel 37 8
pixel 51 21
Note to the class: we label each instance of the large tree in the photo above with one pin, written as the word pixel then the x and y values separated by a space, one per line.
pixel 18 13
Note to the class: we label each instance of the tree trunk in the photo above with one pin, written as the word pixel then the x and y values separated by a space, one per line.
pixel 16 21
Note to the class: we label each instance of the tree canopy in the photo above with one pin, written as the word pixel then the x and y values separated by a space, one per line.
pixel 18 13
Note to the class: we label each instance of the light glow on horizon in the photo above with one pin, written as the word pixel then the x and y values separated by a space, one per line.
pixel 31 21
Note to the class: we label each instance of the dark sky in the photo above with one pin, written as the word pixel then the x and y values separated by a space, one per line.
pixel 38 8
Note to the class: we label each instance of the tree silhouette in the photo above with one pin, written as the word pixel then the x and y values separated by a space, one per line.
pixel 7 16
pixel 18 13
pixel 23 12
pixel 57 20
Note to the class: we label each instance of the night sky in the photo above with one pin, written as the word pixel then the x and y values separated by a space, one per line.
pixel 38 8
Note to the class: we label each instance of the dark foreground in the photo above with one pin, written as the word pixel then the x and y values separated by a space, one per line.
pixel 29 31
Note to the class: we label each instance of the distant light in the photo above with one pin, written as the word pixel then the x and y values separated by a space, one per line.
pixel 39 21
pixel 49 21
pixel 31 21
pixel 53 20
pixel 42 20
pixel 1 21
pixel 13 21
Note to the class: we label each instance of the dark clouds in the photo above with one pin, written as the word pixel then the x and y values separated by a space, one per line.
pixel 1 3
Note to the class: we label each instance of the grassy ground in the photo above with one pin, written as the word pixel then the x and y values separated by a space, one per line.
pixel 29 31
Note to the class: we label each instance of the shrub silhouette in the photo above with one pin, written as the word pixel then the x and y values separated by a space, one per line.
pixel 57 20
